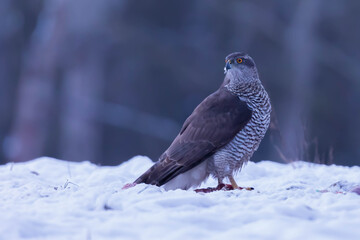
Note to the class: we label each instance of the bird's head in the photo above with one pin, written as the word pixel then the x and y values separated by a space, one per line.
pixel 240 67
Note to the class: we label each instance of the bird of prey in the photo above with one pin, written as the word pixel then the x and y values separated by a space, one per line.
pixel 221 134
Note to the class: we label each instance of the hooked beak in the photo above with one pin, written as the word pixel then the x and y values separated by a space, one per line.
pixel 227 66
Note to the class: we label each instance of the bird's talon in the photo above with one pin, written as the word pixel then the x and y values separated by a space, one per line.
pixel 223 187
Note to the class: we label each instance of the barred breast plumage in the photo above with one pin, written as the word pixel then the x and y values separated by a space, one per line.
pixel 238 151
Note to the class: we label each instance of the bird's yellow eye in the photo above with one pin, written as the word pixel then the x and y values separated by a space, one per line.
pixel 239 60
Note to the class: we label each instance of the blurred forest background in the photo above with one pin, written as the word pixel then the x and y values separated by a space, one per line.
pixel 109 79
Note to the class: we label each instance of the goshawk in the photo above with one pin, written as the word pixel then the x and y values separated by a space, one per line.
pixel 220 135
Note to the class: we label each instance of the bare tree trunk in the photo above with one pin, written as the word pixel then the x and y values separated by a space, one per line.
pixel 301 44
pixel 8 60
pixel 64 42
pixel 83 84
pixel 36 87
pixel 83 80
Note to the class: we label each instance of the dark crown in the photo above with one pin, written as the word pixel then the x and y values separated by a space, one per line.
pixel 235 55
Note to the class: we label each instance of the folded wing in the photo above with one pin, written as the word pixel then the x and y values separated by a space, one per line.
pixel 212 125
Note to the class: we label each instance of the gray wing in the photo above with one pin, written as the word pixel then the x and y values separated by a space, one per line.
pixel 213 124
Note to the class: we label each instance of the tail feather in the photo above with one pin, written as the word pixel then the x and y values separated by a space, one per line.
pixel 148 177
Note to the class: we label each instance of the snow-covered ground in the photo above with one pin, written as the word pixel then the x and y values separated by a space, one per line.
pixel 52 199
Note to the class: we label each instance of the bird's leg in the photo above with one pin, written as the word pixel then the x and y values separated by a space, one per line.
pixel 223 186
pixel 220 185
pixel 233 183
pixel 235 186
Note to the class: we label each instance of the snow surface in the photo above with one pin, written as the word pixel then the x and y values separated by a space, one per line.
pixel 52 199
